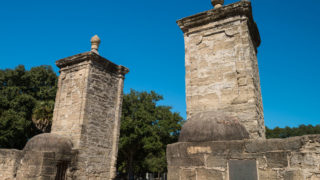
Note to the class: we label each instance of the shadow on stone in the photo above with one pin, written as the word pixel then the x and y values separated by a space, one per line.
pixel 212 126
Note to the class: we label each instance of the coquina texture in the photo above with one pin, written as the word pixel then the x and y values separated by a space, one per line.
pixel 83 143
pixel 221 65
pixel 87 110
pixel 224 136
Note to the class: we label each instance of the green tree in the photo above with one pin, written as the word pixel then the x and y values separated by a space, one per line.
pixel 146 129
pixel 42 115
pixel 26 102
pixel 290 132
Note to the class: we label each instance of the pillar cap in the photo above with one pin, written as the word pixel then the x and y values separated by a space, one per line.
pixel 95 42
pixel 241 9
pixel 217 3
pixel 68 62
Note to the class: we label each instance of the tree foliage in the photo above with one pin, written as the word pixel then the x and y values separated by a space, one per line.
pixel 146 129
pixel 26 102
pixel 290 132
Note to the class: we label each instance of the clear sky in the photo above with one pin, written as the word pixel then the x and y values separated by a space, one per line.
pixel 143 36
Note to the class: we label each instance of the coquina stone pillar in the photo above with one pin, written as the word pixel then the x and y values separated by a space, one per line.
pixel 223 137
pixel 221 64
pixel 87 110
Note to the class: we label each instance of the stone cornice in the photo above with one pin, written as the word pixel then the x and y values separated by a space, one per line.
pixel 242 8
pixel 91 56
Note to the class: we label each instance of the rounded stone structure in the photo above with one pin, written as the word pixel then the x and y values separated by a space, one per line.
pixel 48 142
pixel 212 126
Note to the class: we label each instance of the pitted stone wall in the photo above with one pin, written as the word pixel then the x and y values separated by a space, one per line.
pixel 9 163
pixel 70 102
pixel 221 65
pixel 294 158
pixel 102 102
pixel 88 108
pixel 38 165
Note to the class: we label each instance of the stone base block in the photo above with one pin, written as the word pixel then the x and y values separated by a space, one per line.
pixel 296 158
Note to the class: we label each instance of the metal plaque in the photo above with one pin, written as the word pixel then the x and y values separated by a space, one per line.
pixel 243 170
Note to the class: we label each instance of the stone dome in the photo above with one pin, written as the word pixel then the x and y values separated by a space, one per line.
pixel 48 142
pixel 212 126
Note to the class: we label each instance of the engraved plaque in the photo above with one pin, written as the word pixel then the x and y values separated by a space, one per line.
pixel 243 170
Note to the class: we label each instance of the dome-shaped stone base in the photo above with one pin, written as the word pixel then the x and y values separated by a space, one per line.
pixel 48 142
pixel 212 126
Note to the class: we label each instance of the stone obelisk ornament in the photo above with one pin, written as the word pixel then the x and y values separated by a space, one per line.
pixel 95 42
pixel 217 3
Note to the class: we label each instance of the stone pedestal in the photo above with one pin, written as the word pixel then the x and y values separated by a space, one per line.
pixel 221 65
pixel 87 110
pixel 294 158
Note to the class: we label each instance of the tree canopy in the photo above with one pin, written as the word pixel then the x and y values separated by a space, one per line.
pixel 290 132
pixel 146 129
pixel 26 104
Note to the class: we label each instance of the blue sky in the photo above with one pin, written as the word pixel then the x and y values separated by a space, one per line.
pixel 143 36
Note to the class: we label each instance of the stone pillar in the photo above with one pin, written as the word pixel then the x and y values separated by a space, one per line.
pixel 221 64
pixel 223 138
pixel 87 110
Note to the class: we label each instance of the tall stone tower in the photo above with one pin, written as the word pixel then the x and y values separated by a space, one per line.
pixel 221 64
pixel 87 111
pixel 223 137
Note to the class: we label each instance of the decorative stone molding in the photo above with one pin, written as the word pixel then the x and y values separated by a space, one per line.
pixel 242 8
pixel 91 56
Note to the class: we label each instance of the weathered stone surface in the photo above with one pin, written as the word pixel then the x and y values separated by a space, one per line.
pixel 87 110
pixel 41 164
pixel 9 163
pixel 192 161
pixel 305 159
pixel 207 174
pixel 294 175
pixel 221 65
pixel 212 126
pixel 188 174
pixel 219 148
pixel 294 143
pixel 239 8
pixel 268 174
pixel 216 162
pixel 281 159
pixel 173 173
pixel 277 159
pixel 48 142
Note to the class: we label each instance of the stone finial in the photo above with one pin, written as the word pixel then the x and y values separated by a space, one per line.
pixel 217 3
pixel 95 41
